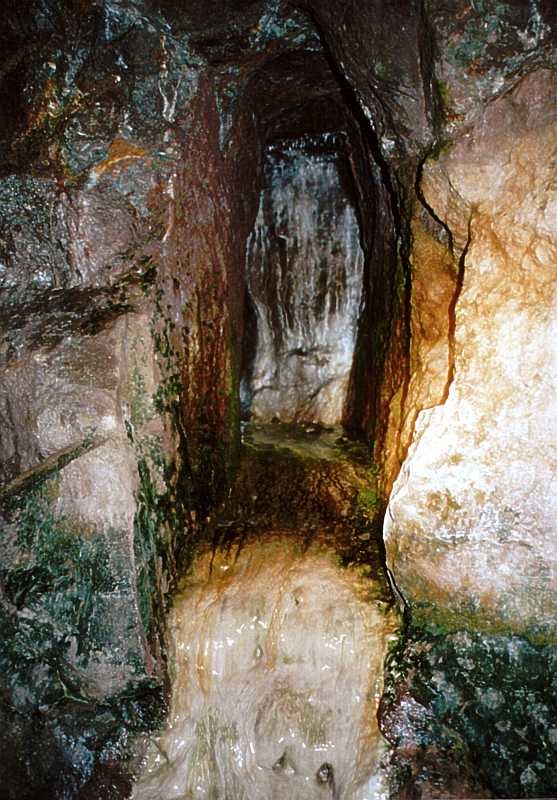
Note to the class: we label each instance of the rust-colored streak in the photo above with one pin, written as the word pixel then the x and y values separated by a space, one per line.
pixel 204 256
pixel 121 155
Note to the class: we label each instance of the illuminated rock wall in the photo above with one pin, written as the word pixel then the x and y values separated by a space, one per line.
pixel 304 272
pixel 471 521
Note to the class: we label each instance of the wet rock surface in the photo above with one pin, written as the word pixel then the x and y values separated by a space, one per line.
pixel 277 661
pixel 74 681
pixel 132 153
pixel 470 715
pixel 261 705
pixel 307 482
pixel 486 525
pixel 305 280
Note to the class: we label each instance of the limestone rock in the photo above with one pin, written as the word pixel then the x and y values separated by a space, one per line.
pixel 470 526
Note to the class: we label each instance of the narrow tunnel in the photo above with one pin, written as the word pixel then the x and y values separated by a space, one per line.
pixel 277 408
pixel 322 268
pixel 317 280
pixel 265 703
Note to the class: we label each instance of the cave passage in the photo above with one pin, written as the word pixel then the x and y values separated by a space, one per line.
pixel 280 631
pixel 322 258
pixel 278 397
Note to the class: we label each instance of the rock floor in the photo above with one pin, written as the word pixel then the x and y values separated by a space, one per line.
pixel 277 643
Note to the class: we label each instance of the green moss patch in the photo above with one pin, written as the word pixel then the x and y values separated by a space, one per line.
pixel 473 707
pixel 67 610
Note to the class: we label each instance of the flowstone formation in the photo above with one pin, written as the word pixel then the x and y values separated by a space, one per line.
pixel 162 166
pixel 305 279
pixel 278 637
pixel 278 658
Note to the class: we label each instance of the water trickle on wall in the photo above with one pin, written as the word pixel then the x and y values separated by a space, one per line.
pixel 304 268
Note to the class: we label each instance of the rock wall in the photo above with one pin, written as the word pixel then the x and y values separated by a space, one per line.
pixel 475 494
pixel 470 525
pixel 102 434
pixel 305 276
pixel 213 201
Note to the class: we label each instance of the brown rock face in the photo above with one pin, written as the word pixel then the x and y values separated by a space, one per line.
pixel 202 283
pixel 471 520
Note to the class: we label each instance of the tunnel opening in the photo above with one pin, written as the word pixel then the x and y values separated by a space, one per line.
pixel 298 534
pixel 323 266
